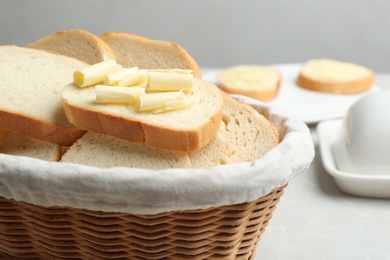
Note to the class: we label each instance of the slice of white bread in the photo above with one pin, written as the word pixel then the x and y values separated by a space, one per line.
pixel 335 77
pixel 182 130
pixel 255 81
pixel 244 136
pixel 251 135
pixel 30 100
pixel 21 145
pixel 78 44
pixel 138 51
pixel 106 151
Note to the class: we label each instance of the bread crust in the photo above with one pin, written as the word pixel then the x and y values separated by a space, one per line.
pixel 343 87
pixel 103 123
pixel 153 47
pixel 36 128
pixel 143 132
pixel 3 135
pixel 49 43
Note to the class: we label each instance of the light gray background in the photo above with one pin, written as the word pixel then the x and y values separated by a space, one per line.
pixel 219 33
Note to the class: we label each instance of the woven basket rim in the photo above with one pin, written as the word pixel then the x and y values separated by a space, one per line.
pixel 141 191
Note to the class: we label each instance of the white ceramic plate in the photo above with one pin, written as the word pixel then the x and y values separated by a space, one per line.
pixel 309 106
pixel 367 185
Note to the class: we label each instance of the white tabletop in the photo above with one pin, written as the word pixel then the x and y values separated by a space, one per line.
pixel 315 220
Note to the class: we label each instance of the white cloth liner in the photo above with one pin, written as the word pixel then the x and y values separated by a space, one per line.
pixel 141 191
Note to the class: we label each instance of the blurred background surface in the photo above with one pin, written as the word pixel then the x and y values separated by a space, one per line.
pixel 220 33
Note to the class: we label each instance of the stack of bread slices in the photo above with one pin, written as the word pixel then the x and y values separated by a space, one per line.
pixel 44 114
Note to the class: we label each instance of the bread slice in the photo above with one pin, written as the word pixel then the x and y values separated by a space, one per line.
pixel 182 130
pixel 335 77
pixel 21 145
pixel 255 81
pixel 78 44
pixel 30 100
pixel 138 51
pixel 251 135
pixel 245 135
pixel 106 151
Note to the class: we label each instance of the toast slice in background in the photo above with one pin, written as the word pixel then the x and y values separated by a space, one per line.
pixel 182 130
pixel 138 51
pixel 30 102
pixel 21 145
pixel 78 44
pixel 255 81
pixel 335 77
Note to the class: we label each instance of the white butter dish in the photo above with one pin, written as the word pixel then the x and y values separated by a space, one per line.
pixel 369 184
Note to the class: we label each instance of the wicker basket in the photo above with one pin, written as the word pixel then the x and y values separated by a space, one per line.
pixel 54 210
pixel 227 232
